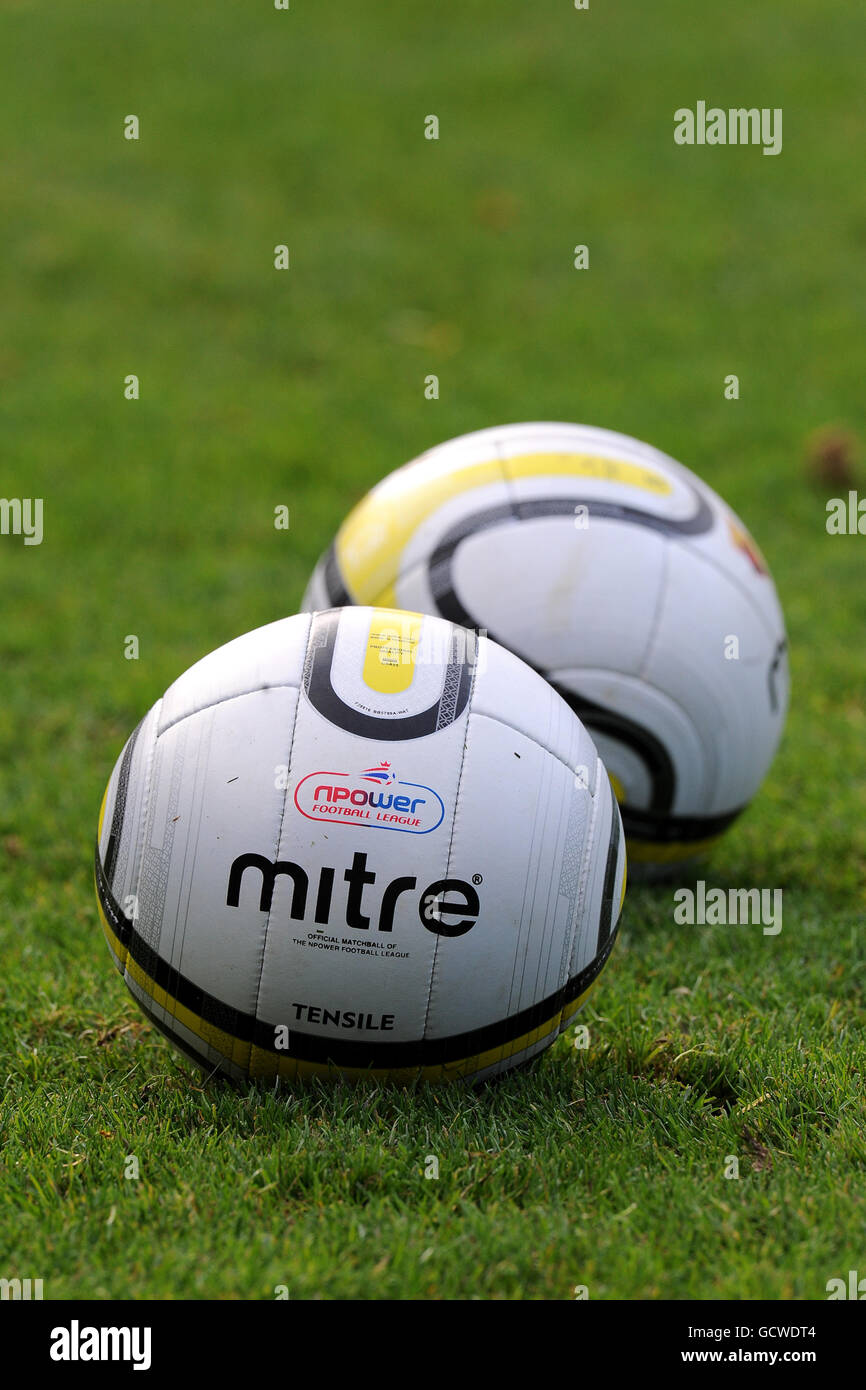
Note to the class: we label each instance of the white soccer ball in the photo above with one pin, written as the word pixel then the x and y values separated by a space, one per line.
pixel 622 578
pixel 358 842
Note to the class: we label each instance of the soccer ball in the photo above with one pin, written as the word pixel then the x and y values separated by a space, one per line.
pixel 359 842
pixel 617 574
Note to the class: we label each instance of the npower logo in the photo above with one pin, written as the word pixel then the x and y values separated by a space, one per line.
pixel 375 797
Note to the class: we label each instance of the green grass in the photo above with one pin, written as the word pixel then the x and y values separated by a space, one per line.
pixel 603 1167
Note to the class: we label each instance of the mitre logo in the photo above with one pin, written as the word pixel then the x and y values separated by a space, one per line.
pixel 436 906
pixel 375 797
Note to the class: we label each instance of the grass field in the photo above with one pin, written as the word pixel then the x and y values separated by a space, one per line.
pixel 602 1167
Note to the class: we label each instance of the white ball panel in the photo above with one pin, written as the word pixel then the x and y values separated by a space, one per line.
pixel 727 701
pixel 510 691
pixel 570 582
pixel 431 530
pixel 125 860
pixel 268 656
pixel 518 953
pixel 636 699
pixel 730 548
pixel 605 812
pixel 214 798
